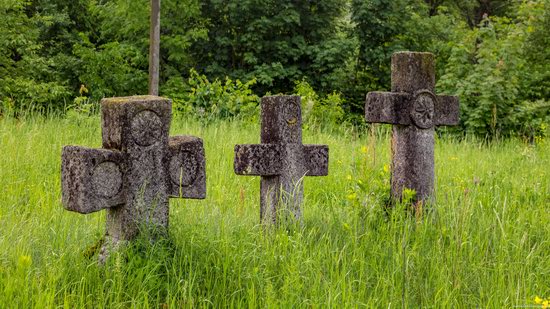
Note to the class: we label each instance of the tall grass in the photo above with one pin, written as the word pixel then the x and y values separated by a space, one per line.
pixel 486 242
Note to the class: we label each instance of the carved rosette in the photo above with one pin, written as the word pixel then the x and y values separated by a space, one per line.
pixel 422 113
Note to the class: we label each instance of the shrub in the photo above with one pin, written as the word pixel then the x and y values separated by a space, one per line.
pixel 316 110
pixel 113 69
pixel 212 100
pixel 489 68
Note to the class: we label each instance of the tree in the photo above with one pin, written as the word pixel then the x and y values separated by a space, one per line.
pixel 277 42
pixel 29 77
pixel 492 70
pixel 114 62
pixel 383 27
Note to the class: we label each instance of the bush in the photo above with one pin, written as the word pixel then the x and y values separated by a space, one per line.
pixel 211 101
pixel 319 110
pixel 113 69
pixel 489 68
pixel 29 79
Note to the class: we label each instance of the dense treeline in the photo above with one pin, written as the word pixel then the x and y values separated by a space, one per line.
pixel 494 54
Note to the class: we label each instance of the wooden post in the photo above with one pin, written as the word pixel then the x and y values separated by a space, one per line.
pixel 154 48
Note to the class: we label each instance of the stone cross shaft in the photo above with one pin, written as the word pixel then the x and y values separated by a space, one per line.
pixel 414 110
pixel 281 159
pixel 137 170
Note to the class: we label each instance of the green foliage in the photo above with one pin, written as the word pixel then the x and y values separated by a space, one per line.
pixel 27 77
pixel 537 50
pixel 474 11
pixel 494 54
pixel 378 23
pixel 387 26
pixel 318 111
pixel 112 69
pixel 276 42
pixel 488 68
pixel 116 63
pixel 216 100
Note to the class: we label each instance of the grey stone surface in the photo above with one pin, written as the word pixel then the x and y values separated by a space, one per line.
pixel 414 110
pixel 281 159
pixel 139 168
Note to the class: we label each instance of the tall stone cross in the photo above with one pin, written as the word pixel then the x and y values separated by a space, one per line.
pixel 281 160
pixel 414 110
pixel 137 170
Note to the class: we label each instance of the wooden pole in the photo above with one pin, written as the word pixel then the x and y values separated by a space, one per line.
pixel 154 48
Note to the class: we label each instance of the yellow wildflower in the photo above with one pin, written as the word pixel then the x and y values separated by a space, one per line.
pixel 544 303
pixel 364 149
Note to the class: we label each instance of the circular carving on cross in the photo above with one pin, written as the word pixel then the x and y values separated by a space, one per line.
pixel 423 111
pixel 292 113
pixel 107 179
pixel 146 128
pixel 183 169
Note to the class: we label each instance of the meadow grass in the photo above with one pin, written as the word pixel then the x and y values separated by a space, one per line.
pixel 485 243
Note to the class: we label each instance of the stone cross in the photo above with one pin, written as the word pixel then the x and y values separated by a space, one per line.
pixel 137 170
pixel 281 160
pixel 414 110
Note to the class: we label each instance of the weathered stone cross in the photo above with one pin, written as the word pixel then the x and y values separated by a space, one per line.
pixel 282 160
pixel 138 169
pixel 414 110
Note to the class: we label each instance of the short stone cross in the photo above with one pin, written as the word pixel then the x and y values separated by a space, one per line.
pixel 281 159
pixel 137 170
pixel 414 110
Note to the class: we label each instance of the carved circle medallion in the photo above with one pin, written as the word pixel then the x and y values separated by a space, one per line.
pixel 292 113
pixel 107 179
pixel 422 113
pixel 146 128
pixel 183 169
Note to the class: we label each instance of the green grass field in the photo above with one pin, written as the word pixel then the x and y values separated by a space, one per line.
pixel 485 244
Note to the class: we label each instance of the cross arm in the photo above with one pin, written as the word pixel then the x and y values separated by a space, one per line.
pixel 92 179
pixel 316 160
pixel 388 107
pixel 396 108
pixel 447 111
pixel 257 160
pixel 186 167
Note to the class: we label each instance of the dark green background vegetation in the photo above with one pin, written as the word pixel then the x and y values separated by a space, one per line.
pixel 219 57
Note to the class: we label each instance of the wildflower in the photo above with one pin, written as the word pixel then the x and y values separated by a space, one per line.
pixel 386 168
pixel 544 303
pixel 364 149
